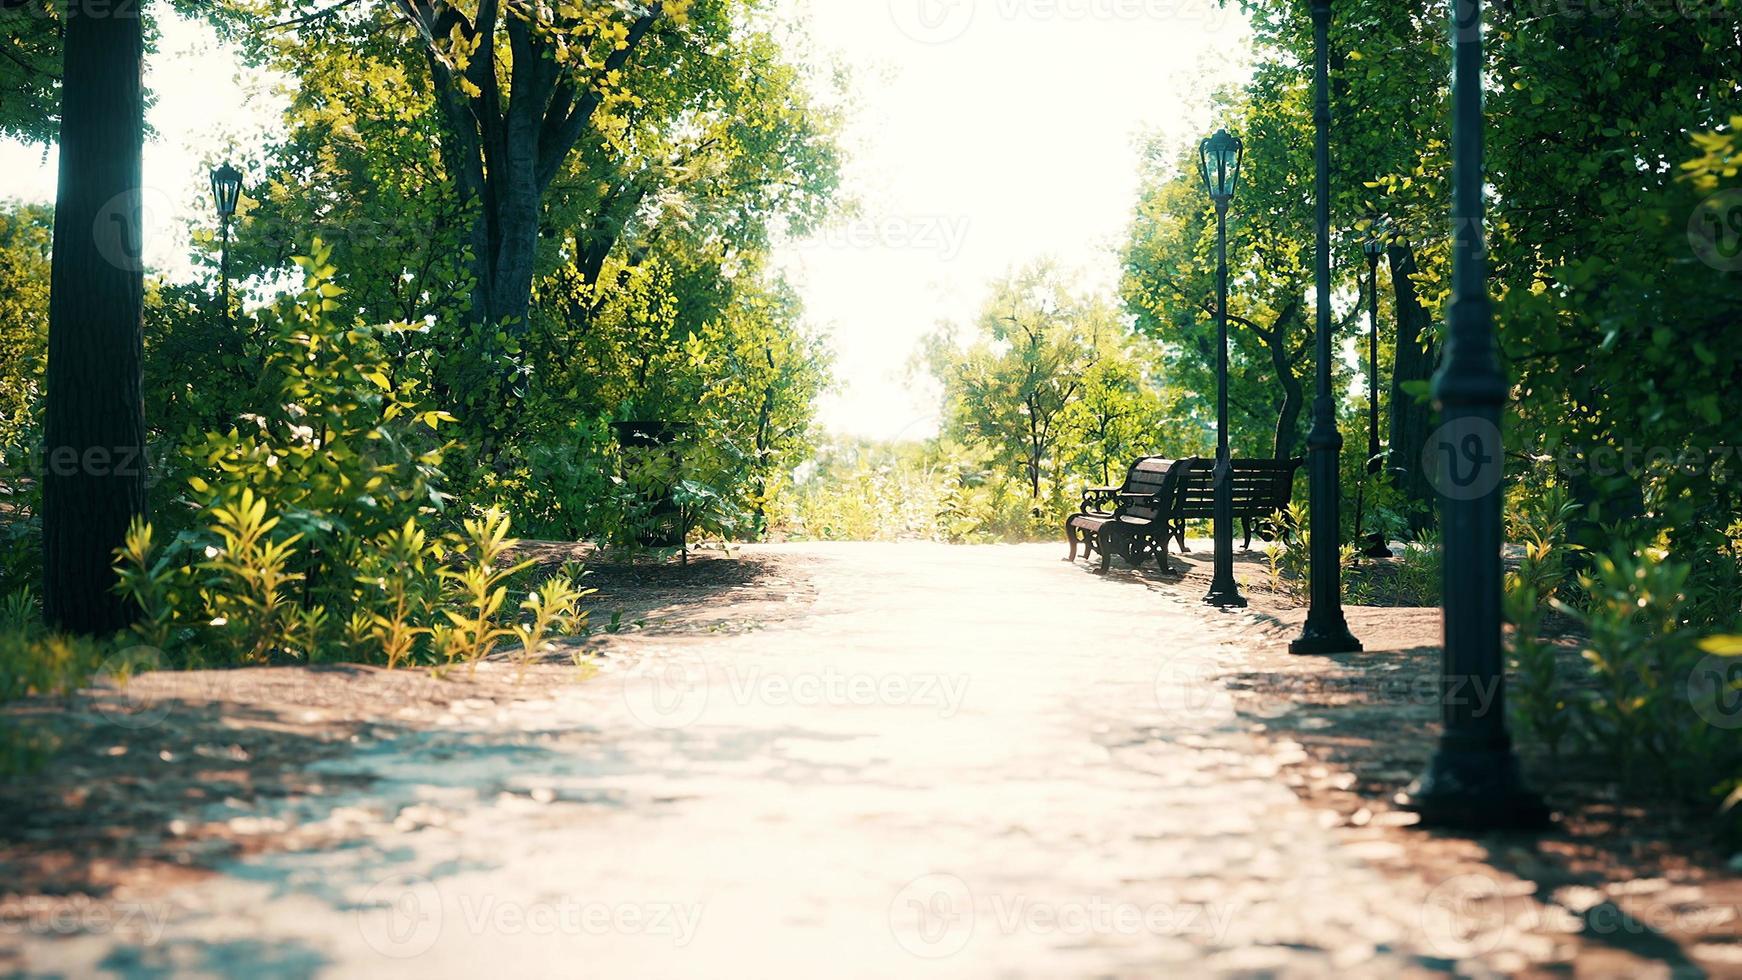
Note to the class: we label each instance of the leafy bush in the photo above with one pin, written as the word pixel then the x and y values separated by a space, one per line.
pixel 1643 708
pixel 308 539
pixel 35 663
pixel 20 521
pixel 1290 559
pixel 1640 654
pixel 1537 696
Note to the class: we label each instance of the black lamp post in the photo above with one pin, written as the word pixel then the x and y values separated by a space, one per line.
pixel 1219 159
pixel 1326 630
pixel 1374 248
pixel 1473 780
pixel 226 190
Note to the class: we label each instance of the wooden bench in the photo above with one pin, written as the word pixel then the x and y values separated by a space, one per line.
pixel 1261 488
pixel 1132 520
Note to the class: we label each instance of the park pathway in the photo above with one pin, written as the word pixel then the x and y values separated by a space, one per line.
pixel 893 761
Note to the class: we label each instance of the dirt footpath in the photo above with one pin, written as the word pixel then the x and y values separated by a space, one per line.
pixel 807 760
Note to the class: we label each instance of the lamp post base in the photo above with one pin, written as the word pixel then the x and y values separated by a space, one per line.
pixel 1474 789
pixel 1319 639
pixel 1225 596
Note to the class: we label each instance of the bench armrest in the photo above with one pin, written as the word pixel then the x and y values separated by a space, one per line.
pixel 1099 500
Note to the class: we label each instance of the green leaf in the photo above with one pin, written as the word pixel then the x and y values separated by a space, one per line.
pixel 1723 645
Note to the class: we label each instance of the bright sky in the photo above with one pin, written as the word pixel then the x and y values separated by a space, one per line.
pixel 987 134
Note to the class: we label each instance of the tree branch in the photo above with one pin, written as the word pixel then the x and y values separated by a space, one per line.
pixel 558 134
pixel 308 18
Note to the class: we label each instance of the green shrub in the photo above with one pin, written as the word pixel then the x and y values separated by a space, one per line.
pixel 1537 695
pixel 308 539
pixel 1642 710
pixel 1417 575
pixel 398 593
pixel 36 662
pixel 20 515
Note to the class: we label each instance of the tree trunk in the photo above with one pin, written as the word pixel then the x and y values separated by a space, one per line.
pixel 511 283
pixel 1293 398
pixel 94 430
pixel 763 419
pixel 1417 357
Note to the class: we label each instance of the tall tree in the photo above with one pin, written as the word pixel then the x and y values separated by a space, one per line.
pixel 94 427
pixel 709 139
pixel 517 87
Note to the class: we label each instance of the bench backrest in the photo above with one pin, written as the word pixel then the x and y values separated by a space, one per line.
pixel 1261 487
pixel 1147 475
pixel 1158 479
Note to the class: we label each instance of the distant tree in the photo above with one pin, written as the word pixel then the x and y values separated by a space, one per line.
pixel 1011 386
pixel 26 241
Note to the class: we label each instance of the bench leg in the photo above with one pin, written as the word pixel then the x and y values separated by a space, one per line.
pixel 1161 554
pixel 1071 539
pixel 1246 527
pixel 1106 547
pixel 1179 533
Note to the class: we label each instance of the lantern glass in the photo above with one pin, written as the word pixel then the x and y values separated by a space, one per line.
pixel 1220 158
pixel 226 190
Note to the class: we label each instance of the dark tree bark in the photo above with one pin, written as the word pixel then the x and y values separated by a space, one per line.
pixel 764 418
pixel 94 430
pixel 1417 358
pixel 1282 361
pixel 503 150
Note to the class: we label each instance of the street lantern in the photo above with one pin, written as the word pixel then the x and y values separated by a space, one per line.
pixel 1219 158
pixel 1374 249
pixel 1473 780
pixel 226 191
pixel 1326 630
